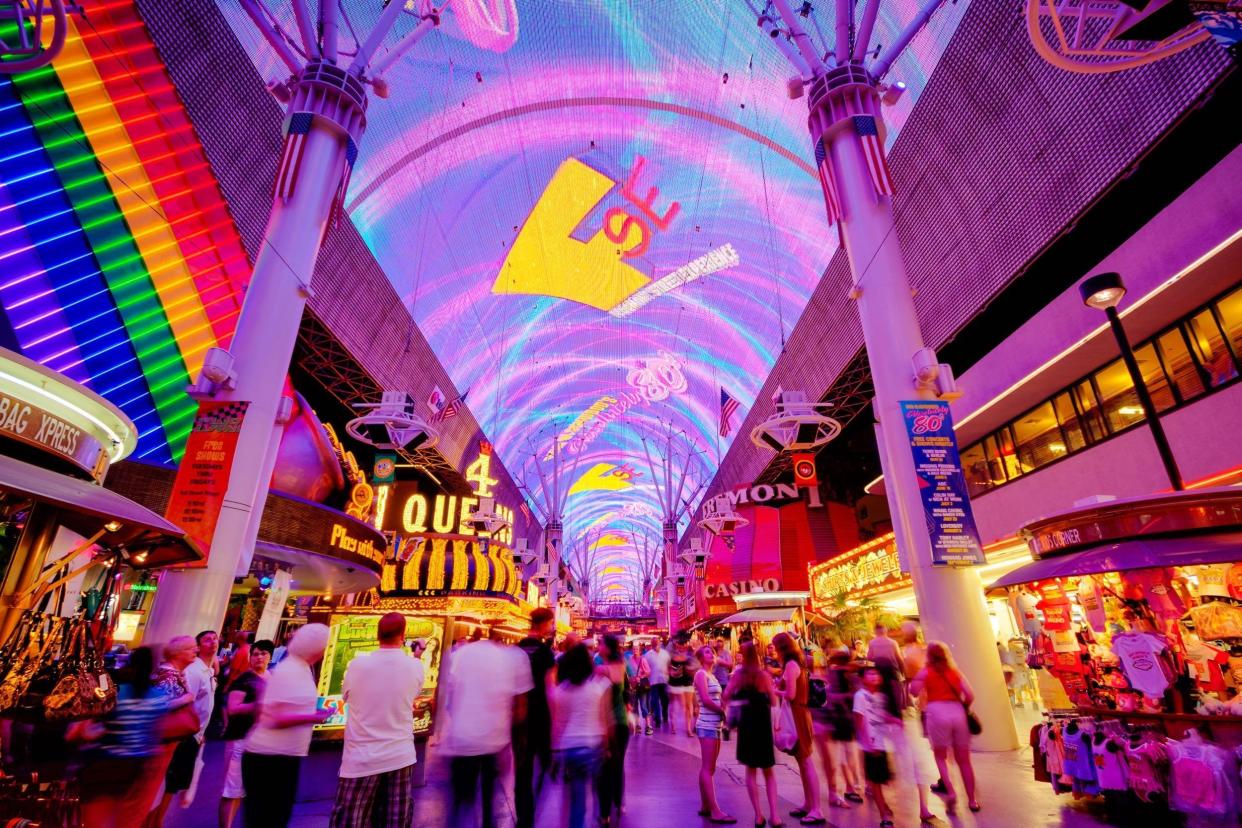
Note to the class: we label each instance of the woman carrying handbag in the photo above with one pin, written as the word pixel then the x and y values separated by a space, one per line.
pixel 947 698
pixel 793 688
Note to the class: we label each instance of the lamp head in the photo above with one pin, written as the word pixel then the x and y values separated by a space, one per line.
pixel 1102 291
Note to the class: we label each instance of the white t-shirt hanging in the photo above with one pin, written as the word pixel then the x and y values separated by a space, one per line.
pixel 1141 658
pixel 379 689
pixel 1031 620
pixel 1092 601
pixel 1110 765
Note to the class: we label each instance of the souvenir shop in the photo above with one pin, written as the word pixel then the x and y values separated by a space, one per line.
pixel 66 546
pixel 1133 612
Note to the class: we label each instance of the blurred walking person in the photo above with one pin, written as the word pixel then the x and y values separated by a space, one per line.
pixel 875 714
pixel 121 769
pixel 281 736
pixel 946 696
pixel 170 677
pixel 377 760
pixel 611 789
pixel 793 687
pixel 680 688
pixel 581 716
pixel 751 689
pixel 658 660
pixel 533 740
pixel 642 690
pixel 485 698
pixel 241 705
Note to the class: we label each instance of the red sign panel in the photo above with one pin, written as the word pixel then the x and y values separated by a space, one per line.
pixel 203 476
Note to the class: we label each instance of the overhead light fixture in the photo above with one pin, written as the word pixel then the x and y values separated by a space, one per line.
pixel 113 526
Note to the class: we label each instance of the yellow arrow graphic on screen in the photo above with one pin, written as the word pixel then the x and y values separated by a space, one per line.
pixel 546 260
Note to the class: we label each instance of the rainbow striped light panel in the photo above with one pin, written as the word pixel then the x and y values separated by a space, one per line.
pixel 120 264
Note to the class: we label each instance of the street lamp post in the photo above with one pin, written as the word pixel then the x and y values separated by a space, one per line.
pixel 1104 292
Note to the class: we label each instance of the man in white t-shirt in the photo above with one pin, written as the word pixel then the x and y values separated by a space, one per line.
pixel 377 761
pixel 485 689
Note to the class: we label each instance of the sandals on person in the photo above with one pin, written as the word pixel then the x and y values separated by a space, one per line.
pixel 799 813
pixel 836 802
pixel 813 821
pixel 975 807
pixel 724 820
pixel 853 796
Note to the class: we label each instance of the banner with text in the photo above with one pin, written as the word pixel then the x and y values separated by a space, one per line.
pixel 942 485
pixel 203 476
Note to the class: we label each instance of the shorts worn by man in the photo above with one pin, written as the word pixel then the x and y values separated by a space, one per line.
pixel 377 762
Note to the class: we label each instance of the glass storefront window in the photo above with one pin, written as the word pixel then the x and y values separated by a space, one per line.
pixel 1117 396
pixel 1229 310
pixel 1180 365
pixel 1038 436
pixel 1071 426
pixel 1210 348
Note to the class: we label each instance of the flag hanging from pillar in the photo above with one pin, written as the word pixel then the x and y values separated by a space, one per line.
pixel 828 181
pixel 291 154
pixel 873 149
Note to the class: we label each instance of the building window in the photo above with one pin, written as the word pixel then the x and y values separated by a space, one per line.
pixel 1229 309
pixel 1118 400
pixel 1210 348
pixel 1202 351
pixel 1071 423
pixel 1179 365
pixel 1039 438
pixel 1089 410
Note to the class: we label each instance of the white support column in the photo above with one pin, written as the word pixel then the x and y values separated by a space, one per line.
pixel 193 600
pixel 950 600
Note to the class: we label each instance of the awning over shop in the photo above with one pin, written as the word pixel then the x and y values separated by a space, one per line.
pixel 1137 553
pixel 758 615
pixel 710 621
pixel 86 508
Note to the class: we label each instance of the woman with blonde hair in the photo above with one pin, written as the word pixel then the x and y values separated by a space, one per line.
pixel 946 698
pixel 794 687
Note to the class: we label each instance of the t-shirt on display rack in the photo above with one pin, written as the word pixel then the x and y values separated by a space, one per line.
pixel 1139 765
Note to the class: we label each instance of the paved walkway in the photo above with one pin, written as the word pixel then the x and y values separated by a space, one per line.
pixel 661 790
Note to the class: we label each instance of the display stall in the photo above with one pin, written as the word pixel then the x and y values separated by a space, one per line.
pixel 1134 608
pixel 66 545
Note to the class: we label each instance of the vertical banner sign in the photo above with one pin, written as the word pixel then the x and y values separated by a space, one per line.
pixel 274 609
pixel 203 476
pixel 942 485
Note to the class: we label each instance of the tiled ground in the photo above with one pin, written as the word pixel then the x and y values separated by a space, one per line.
pixel 661 773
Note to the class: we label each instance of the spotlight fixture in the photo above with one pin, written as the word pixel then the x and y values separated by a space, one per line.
pixel 1102 291
pixel 796 425
pixel 392 424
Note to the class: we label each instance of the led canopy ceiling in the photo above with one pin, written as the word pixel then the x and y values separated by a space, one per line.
pixel 601 225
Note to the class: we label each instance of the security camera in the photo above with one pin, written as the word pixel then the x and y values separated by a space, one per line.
pixel 218 367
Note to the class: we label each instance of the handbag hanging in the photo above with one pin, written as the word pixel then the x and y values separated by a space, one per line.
pixel 785 734
pixel 83 689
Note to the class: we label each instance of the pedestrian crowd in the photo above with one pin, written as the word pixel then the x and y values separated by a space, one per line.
pixel 551 713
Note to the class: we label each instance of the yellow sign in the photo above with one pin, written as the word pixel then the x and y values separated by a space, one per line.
pixel 547 260
pixel 865 570
pixel 603 477
pixel 343 540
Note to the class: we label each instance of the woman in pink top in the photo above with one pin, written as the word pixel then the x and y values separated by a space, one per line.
pixel 945 696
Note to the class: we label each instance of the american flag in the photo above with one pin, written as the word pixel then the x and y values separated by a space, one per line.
pixel 338 201
pixel 291 155
pixel 873 149
pixel 453 408
pixel 828 181
pixel 728 407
